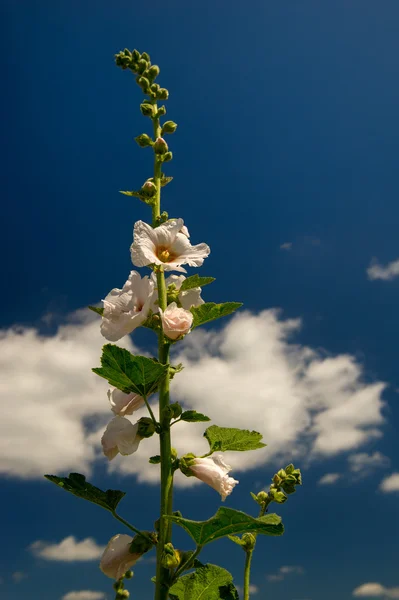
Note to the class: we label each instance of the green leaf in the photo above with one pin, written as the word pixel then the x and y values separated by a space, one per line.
pixel 154 460
pixel 228 521
pixel 222 439
pixel 97 309
pixel 77 485
pixel 195 281
pixel 129 373
pixel 192 416
pixel 142 195
pixel 208 582
pixel 211 311
pixel 236 540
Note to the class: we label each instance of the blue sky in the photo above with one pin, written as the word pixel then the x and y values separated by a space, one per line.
pixel 288 134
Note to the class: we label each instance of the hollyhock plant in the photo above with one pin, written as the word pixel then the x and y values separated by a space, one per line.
pixel 168 308
pixel 128 308
pixel 120 436
pixel 165 246
pixel 176 321
pixel 124 404
pixel 214 471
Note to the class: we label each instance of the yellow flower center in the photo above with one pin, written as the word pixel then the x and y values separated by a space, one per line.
pixel 164 256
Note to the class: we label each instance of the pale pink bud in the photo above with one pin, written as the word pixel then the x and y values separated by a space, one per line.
pixel 117 559
pixel 160 146
pixel 214 471
pixel 124 404
pixel 176 321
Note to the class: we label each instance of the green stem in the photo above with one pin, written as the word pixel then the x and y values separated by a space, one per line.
pixel 165 527
pixel 131 527
pixel 247 573
pixel 151 413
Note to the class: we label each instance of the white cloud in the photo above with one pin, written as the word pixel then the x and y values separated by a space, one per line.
pixel 84 595
pixel 248 374
pixel 390 483
pixel 253 589
pixel 362 464
pixel 375 590
pixel 286 246
pixel 68 550
pixel 329 479
pixel 387 273
pixel 18 576
pixel 284 571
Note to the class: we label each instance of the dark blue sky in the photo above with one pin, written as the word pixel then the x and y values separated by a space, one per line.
pixel 288 132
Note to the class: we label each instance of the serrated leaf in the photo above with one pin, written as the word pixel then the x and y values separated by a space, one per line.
pixel 228 521
pixel 77 485
pixel 195 281
pixel 210 312
pixel 144 197
pixel 208 582
pixel 130 373
pixel 97 309
pixel 192 416
pixel 222 439
pixel 236 540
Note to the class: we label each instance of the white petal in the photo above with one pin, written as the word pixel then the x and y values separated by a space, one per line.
pixel 122 435
pixel 124 404
pixel 117 559
pixel 143 249
pixel 191 298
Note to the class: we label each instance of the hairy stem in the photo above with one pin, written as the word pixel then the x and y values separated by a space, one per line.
pixel 247 573
pixel 165 527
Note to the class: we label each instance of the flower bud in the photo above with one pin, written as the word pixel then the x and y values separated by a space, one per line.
pixel 155 87
pixel 262 497
pixel 167 157
pixel 249 541
pixel 161 111
pixel 176 321
pixel 128 574
pixel 145 56
pixel 160 146
pixel 276 480
pixel 149 188
pixel 282 474
pixel 162 94
pixel 142 65
pixel 146 427
pixel 176 410
pixel 171 557
pixel 278 497
pixel 143 140
pixel 169 127
pixel 121 594
pixel 143 83
pixel 153 72
pixel 136 55
pixel 147 109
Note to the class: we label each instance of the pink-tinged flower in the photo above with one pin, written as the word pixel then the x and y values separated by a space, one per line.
pixel 184 231
pixel 120 436
pixel 165 245
pixel 176 321
pixel 128 308
pixel 214 471
pixel 124 404
pixel 117 559
pixel 187 298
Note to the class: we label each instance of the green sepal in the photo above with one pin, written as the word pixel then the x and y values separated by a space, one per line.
pixel 97 309
pixel 208 581
pixel 154 460
pixel 129 373
pixel 195 281
pixel 236 540
pixel 228 521
pixel 145 197
pixel 192 416
pixel 210 312
pixel 221 439
pixel 77 485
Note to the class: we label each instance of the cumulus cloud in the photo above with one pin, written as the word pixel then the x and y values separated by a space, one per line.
pixel 329 479
pixel 68 550
pixel 84 595
pixel 286 246
pixel 363 464
pixel 304 402
pixel 284 571
pixel 387 273
pixel 390 483
pixel 253 589
pixel 375 590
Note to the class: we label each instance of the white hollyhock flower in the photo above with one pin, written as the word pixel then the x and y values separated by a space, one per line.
pixel 214 471
pixel 165 245
pixel 124 404
pixel 128 308
pixel 184 231
pixel 187 298
pixel 117 559
pixel 120 436
pixel 176 321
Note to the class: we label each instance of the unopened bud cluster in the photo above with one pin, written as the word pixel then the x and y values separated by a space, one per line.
pixel 146 73
pixel 284 483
